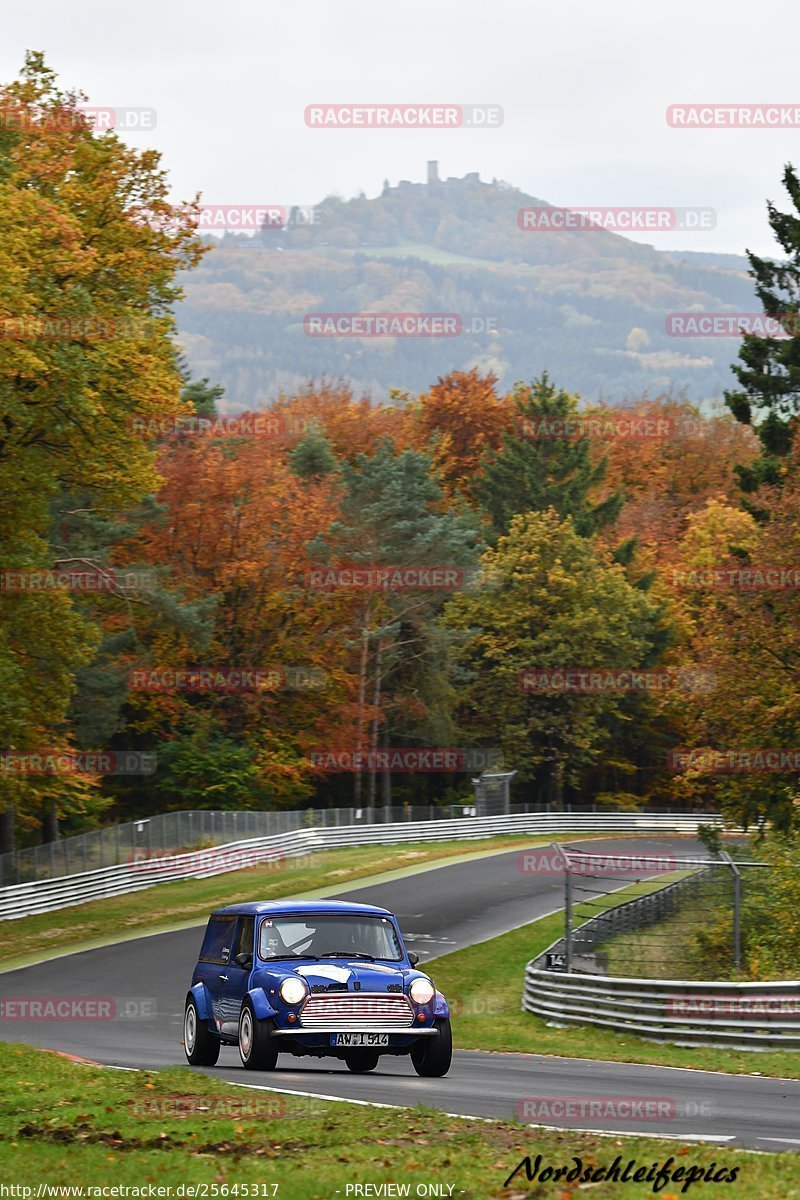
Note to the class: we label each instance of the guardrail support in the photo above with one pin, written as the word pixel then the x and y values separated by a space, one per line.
pixel 567 909
pixel 737 908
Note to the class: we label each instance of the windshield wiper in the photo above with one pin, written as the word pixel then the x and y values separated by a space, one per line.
pixel 347 954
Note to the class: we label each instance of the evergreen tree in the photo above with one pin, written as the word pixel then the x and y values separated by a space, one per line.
pixel 393 514
pixel 313 456
pixel 541 464
pixel 203 397
pixel 769 370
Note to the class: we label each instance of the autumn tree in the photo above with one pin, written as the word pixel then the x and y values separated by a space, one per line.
pixel 459 420
pixel 234 530
pixel 86 291
pixel 668 458
pixel 550 600
pixel 745 623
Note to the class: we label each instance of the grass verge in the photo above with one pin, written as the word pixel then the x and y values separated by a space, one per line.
pixel 72 1125
pixel 484 985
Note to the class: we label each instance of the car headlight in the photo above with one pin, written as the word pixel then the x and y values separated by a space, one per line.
pixel 292 990
pixel 422 991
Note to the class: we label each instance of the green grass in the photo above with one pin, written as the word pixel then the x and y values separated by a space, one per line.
pixel 170 905
pixel 426 253
pixel 484 983
pixel 68 1124
pixel 653 953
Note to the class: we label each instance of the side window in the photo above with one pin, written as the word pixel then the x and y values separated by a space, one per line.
pixel 217 943
pixel 244 937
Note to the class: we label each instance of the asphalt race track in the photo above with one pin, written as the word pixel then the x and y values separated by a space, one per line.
pixel 442 909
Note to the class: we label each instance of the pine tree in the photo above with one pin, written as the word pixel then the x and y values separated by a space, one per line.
pixel 393 514
pixel 313 456
pixel 769 371
pixel 542 465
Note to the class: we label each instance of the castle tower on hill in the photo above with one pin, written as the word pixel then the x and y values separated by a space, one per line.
pixel 433 171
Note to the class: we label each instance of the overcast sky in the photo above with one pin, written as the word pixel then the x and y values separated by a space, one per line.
pixel 584 89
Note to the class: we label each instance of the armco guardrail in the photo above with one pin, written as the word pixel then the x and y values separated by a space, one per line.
pixel 46 895
pixel 748 1016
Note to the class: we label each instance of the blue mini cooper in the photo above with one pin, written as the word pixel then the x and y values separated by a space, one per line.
pixel 321 978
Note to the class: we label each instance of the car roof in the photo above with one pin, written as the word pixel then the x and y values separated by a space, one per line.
pixel 287 907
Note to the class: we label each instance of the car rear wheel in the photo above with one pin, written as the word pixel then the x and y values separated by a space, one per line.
pixel 202 1048
pixel 432 1056
pixel 361 1061
pixel 257 1049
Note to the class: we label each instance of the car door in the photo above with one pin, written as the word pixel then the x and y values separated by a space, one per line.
pixel 213 966
pixel 233 981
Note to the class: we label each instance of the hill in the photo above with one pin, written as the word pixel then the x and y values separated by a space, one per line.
pixel 589 306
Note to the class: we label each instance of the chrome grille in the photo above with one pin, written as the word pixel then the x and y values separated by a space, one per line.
pixel 356 1011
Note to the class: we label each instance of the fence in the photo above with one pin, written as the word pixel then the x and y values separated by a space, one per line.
pixel 686 1012
pixel 45 895
pixel 717 884
pixel 186 830
pixel 633 915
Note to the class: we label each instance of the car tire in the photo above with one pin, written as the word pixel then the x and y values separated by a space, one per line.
pixel 257 1049
pixel 362 1061
pixel 202 1048
pixel 432 1056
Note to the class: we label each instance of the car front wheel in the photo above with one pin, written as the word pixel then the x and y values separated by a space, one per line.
pixel 257 1049
pixel 432 1056
pixel 202 1048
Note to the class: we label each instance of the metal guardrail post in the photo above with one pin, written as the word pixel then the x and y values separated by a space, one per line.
pixel 567 908
pixel 737 908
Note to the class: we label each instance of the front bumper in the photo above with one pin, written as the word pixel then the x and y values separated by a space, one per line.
pixel 411 1031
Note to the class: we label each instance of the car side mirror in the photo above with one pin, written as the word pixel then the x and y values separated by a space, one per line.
pixel 413 958
pixel 243 959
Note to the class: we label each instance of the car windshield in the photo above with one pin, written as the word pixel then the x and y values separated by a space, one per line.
pixel 320 935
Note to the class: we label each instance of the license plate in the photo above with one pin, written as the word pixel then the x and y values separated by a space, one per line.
pixel 360 1039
